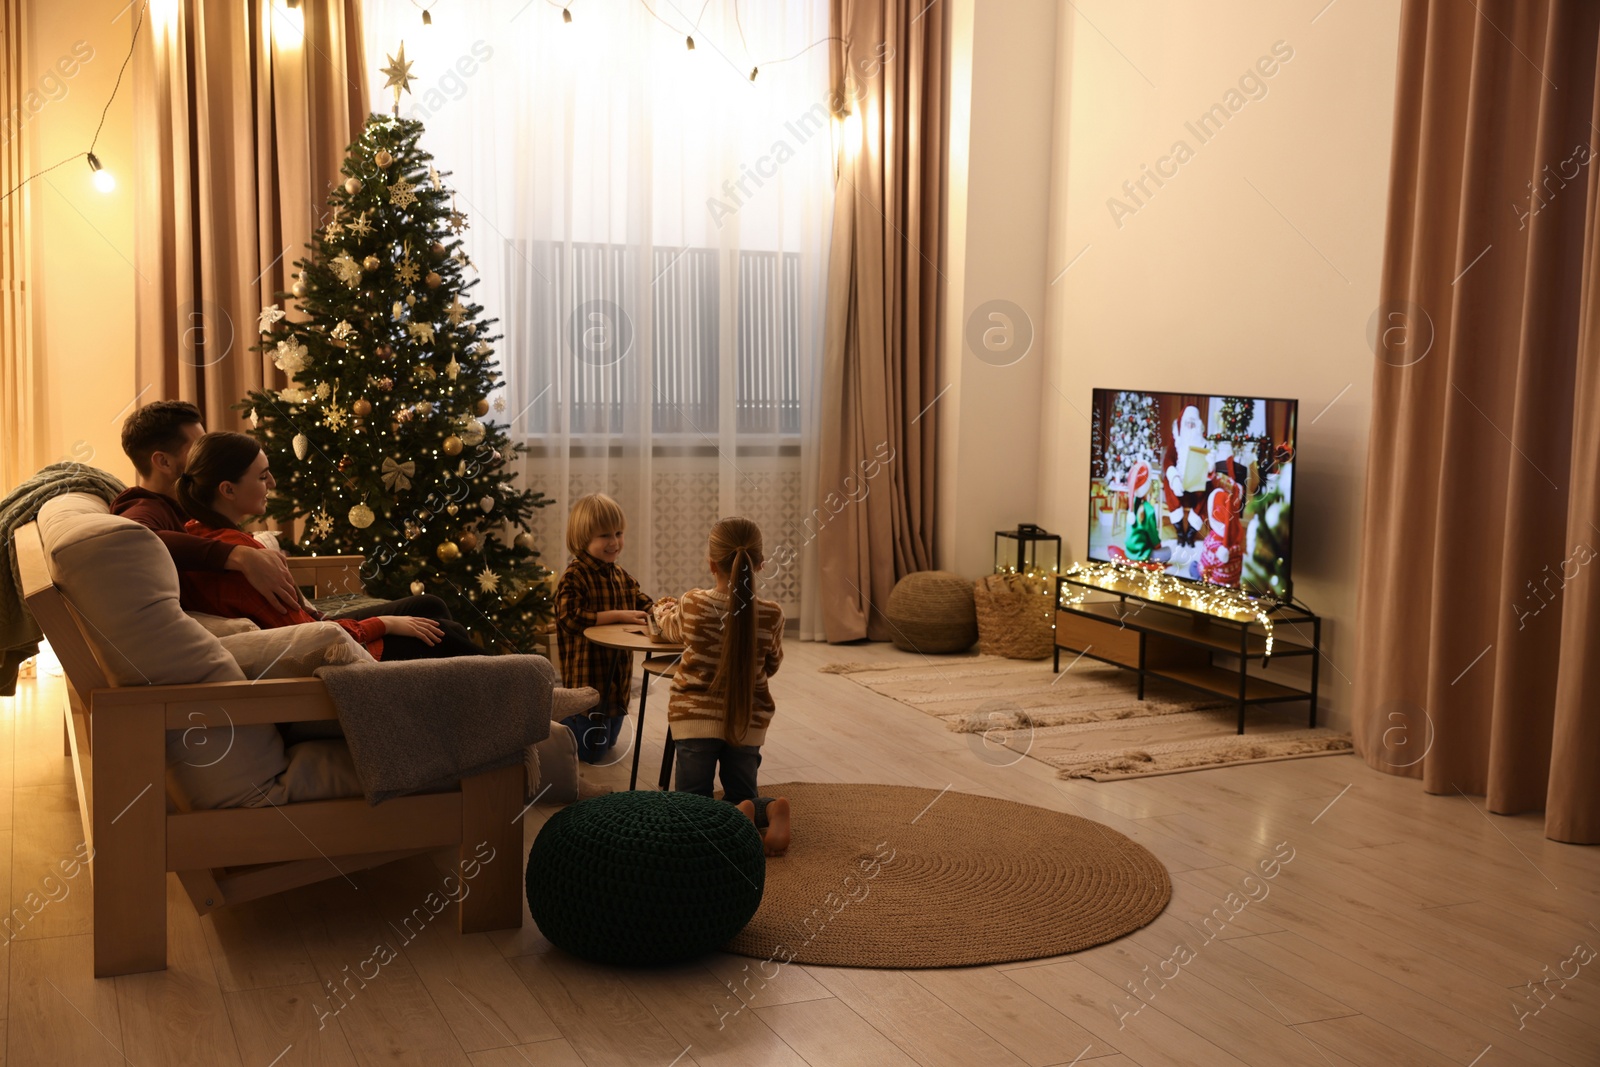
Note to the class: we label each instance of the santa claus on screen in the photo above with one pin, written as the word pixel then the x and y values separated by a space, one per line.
pixel 1222 557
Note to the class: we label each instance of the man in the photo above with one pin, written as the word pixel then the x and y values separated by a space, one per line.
pixel 157 438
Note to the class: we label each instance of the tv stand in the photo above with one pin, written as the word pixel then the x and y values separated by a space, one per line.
pixel 1178 642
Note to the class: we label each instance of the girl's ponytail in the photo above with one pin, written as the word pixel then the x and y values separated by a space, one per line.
pixel 736 548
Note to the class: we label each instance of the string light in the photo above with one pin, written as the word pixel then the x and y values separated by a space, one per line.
pixel 1152 582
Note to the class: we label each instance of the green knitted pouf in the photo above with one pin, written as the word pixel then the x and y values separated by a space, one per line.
pixel 645 877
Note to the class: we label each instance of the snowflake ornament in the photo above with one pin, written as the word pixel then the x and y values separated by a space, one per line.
pixel 456 311
pixel 401 194
pixel 292 357
pixel 321 525
pixel 407 272
pixel 335 418
pixel 335 228
pixel 324 390
pixel 361 227
pixel 458 221
pixel 488 580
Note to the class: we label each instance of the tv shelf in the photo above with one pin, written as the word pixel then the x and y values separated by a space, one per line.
pixel 1177 642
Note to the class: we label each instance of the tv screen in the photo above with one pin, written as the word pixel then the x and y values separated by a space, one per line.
pixel 1201 485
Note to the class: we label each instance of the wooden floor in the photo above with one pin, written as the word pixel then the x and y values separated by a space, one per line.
pixel 1403 930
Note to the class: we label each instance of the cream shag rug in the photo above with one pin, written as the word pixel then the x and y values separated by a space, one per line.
pixel 1087 721
pixel 895 876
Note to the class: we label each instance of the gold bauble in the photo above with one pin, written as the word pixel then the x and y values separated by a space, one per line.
pixel 452 445
pixel 352 186
pixel 482 406
pixel 472 433
pixel 524 541
pixel 382 158
pixel 361 516
pixel 433 280
pixel 299 289
pixel 424 407
pixel 362 406
pixel 437 248
pixel 448 551
pixel 371 263
pixel 453 509
pixel 469 541
pixel 385 352
pixel 417 588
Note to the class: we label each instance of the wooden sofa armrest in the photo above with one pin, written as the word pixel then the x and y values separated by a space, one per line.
pixel 328 575
pixel 270 700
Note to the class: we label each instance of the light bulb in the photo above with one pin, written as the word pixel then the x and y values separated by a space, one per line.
pixel 102 178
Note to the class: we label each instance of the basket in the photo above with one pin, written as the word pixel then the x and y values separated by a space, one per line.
pixel 1015 619
pixel 931 612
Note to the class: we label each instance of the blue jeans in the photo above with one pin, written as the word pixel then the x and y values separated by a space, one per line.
pixel 594 736
pixel 697 759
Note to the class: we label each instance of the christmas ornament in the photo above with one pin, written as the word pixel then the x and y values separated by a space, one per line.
pixel 401 195
pixel 458 221
pixel 323 390
pixel 384 352
pixel 362 406
pixel 302 445
pixel 361 227
pixel 353 186
pixel 386 384
pixel 300 288
pixel 452 445
pixel 424 514
pixel 321 525
pixel 433 280
pixel 473 433
pixel 524 541
pixel 292 357
pixel 397 476
pixel 448 551
pixel 433 175
pixel 255 420
pixel 404 415
pixel 399 311
pixel 335 228
pixel 361 516
pixel 469 541
pixel 407 272
pixel 270 315
pixel 399 76
pixel 456 311
pixel 427 373
pixel 452 510
pixel 344 331
pixel 417 588
pixel 461 258
pixel 382 158
pixel 499 403
pixel 487 504
pixel 424 407
pixel 346 464
pixel 334 418
pixel 488 580
pixel 451 370
pixel 437 249
pixel 371 263
pixel 482 406
pixel 423 331
pixel 413 529
pixel 411 300
pixel 347 269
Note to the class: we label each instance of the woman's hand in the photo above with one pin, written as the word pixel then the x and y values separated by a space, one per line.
pixel 427 631
pixel 605 618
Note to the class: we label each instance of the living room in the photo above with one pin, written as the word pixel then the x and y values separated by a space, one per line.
pixel 1013 328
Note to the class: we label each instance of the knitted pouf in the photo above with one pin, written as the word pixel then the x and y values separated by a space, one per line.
pixel 645 877
pixel 932 611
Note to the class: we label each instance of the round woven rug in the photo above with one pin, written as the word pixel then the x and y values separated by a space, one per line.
pixel 897 877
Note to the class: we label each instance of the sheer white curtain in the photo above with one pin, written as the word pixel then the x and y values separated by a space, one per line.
pixel 651 227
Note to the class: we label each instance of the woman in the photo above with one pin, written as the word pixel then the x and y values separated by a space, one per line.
pixel 225 481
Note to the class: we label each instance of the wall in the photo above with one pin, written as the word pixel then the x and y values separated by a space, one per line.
pixel 1003 69
pixel 82 239
pixel 1254 268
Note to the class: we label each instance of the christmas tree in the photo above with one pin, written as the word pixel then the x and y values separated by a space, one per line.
pixel 1135 434
pixel 381 439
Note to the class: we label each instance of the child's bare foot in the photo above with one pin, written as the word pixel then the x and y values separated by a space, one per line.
pixel 777 836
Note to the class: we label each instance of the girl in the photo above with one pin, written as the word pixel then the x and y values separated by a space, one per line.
pixel 720 705
pixel 225 481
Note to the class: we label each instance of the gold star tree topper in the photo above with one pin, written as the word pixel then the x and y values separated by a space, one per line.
pixel 399 74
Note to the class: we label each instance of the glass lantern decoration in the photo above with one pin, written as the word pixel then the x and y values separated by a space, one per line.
pixel 1025 551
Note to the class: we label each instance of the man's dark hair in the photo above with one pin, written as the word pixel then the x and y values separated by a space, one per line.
pixel 155 428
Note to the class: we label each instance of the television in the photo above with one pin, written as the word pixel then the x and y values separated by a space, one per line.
pixel 1201 485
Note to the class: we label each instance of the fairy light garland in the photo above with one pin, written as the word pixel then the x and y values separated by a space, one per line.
pixel 1154 583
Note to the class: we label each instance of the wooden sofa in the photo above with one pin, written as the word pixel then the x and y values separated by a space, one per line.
pixel 115 736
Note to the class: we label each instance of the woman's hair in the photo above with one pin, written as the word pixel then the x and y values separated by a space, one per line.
pixel 736 550
pixel 590 517
pixel 214 458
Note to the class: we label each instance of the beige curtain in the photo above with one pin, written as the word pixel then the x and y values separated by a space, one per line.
pixel 880 344
pixel 242 114
pixel 1478 651
pixel 19 386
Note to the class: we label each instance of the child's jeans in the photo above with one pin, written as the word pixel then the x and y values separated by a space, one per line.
pixel 697 759
pixel 595 737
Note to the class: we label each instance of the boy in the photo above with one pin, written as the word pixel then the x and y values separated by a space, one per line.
pixel 594 591
pixel 156 438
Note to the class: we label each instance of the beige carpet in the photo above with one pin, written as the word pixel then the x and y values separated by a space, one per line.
pixel 1087 721
pixel 896 877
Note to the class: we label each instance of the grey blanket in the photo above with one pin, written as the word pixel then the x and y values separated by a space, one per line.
pixel 420 725
pixel 19 633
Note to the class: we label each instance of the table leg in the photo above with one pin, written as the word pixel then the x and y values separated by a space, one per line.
pixel 638 733
pixel 666 761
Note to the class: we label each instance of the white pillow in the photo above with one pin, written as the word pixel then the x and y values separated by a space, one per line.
pixel 218 626
pixel 294 651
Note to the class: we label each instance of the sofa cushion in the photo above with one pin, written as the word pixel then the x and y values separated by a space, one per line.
pixel 217 626
pixel 120 578
pixel 294 651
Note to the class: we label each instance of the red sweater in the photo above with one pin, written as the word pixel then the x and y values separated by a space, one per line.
pixel 230 594
pixel 162 515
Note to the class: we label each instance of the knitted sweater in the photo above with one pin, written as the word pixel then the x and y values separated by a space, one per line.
pixel 697 620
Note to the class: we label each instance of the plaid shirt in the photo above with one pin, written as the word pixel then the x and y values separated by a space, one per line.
pixel 588 587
